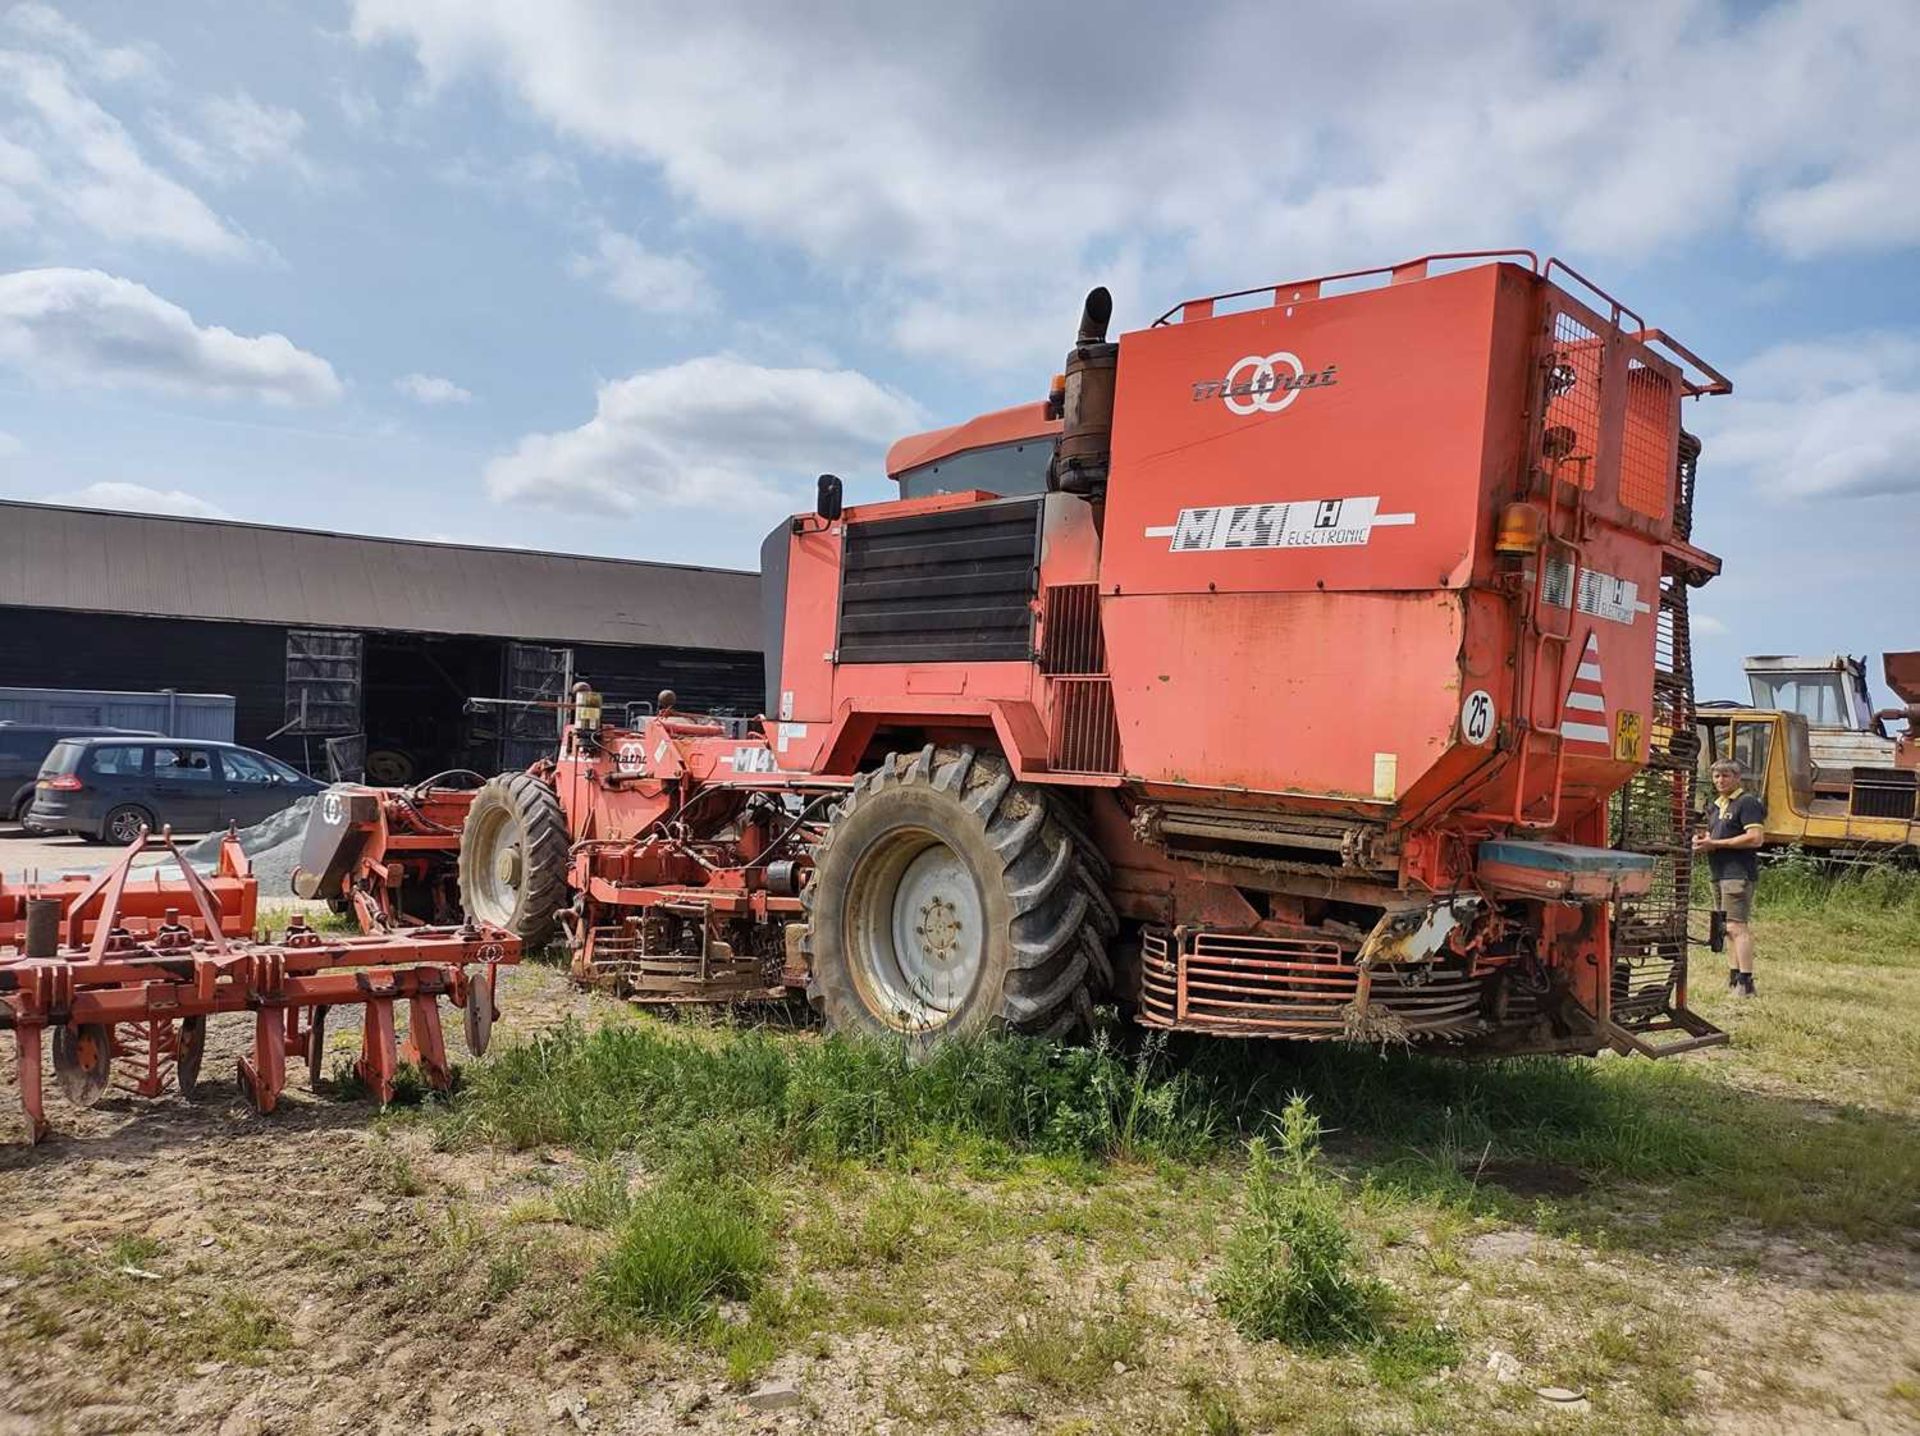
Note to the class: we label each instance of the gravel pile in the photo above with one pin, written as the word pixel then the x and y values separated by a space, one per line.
pixel 273 844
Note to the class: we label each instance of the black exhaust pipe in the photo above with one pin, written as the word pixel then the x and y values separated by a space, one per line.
pixel 1081 457
pixel 1095 316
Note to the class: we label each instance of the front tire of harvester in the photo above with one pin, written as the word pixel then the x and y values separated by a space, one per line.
pixel 948 900
pixel 513 857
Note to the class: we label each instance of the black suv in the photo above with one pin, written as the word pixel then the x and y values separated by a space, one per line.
pixel 24 747
pixel 108 789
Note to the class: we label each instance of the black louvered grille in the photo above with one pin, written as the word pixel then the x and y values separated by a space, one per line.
pixel 942 587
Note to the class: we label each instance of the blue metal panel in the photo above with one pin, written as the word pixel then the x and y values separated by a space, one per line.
pixel 176 715
pixel 1564 857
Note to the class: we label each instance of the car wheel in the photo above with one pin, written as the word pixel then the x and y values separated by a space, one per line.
pixel 125 823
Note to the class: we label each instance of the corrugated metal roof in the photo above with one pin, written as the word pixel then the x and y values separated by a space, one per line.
pixel 88 559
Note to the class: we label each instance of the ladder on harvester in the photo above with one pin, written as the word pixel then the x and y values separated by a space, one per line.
pixel 1653 814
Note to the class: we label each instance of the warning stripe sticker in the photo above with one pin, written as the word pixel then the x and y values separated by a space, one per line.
pixel 1584 718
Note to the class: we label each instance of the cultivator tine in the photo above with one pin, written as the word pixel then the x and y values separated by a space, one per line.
pixel 189 1046
pixel 263 1077
pixel 27 1043
pixel 309 1041
pixel 426 1047
pixel 377 1056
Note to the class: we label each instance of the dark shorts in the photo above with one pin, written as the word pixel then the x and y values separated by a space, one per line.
pixel 1736 898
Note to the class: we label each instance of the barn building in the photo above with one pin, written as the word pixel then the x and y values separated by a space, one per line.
pixel 344 652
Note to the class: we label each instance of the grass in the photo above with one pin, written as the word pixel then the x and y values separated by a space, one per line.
pixel 1434 1127
pixel 660 1092
pixel 680 1251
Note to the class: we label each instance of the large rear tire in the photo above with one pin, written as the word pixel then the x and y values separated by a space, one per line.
pixel 948 900
pixel 513 857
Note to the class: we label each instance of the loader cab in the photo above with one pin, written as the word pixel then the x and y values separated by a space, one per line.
pixel 1006 453
pixel 1825 692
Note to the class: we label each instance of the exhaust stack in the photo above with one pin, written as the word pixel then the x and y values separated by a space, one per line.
pixel 1084 453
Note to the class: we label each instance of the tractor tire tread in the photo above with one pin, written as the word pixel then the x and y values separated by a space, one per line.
pixel 1054 881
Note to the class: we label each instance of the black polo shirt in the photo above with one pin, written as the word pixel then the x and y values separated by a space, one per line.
pixel 1729 818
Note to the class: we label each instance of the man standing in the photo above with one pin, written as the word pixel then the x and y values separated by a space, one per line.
pixel 1736 831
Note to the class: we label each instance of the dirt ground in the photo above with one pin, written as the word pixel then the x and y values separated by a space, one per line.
pixel 187 1266
pixel 25 855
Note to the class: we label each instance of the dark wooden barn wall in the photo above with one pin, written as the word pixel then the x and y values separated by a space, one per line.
pixel 50 648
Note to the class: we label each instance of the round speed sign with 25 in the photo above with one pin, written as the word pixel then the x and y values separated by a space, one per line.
pixel 1477 718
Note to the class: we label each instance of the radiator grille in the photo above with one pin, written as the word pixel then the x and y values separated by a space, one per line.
pixel 952 586
pixel 1884 793
pixel 1083 736
pixel 1071 641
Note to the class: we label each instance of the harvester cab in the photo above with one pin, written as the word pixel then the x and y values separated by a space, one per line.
pixel 1311 663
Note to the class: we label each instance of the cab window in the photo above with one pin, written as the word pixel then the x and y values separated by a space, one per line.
pixel 1751 744
pixel 1819 698
pixel 1005 469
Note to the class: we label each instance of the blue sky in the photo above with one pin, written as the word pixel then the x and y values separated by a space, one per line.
pixel 620 277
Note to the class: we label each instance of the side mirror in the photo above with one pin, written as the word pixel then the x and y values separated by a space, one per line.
pixel 826 502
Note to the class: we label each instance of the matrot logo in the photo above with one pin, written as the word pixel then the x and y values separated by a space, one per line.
pixel 1263 383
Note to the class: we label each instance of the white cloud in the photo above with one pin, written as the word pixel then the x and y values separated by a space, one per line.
pixel 11 447
pixel 648 280
pixel 231 136
pixel 1835 418
pixel 139 499
pixel 81 326
pixel 65 159
pixel 49 29
pixel 1705 625
pixel 713 431
pixel 432 389
pixel 1386 130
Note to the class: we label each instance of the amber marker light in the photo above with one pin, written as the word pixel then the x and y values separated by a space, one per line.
pixel 1522 527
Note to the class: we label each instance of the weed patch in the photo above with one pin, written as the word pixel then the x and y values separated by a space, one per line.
pixel 681 1250
pixel 1292 1269
pixel 1070 1355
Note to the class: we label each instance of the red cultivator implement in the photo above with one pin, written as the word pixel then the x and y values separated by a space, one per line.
pixel 140 997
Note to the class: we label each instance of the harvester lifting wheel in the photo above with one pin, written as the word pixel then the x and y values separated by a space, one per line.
pixel 513 857
pixel 948 899
pixel 83 1061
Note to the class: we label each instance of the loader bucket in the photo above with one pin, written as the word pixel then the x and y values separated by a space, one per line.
pixel 1903 675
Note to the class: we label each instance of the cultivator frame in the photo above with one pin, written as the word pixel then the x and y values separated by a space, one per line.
pixel 143 999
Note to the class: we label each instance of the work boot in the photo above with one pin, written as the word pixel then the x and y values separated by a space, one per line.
pixel 1733 979
pixel 1746 985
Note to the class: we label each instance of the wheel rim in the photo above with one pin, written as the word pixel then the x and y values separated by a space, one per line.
pixel 387 768
pixel 918 931
pixel 498 863
pixel 127 826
